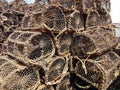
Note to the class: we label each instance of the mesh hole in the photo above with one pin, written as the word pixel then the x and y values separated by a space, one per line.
pixel 2 61
pixel 20 48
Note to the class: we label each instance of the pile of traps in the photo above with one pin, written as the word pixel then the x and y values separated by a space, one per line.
pixel 58 45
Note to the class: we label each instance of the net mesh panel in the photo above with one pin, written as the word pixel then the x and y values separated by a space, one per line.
pixel 14 35
pixel 98 39
pixel 24 37
pixel 64 41
pixel 46 88
pixel 65 83
pixel 109 36
pixel 65 3
pixel 56 68
pixel 23 80
pixel 54 18
pixel 45 46
pixel 38 18
pixel 94 73
pixel 20 48
pixel 88 4
pixel 6 69
pixel 11 47
pixel 76 21
pixel 81 45
pixel 25 22
pixel 93 19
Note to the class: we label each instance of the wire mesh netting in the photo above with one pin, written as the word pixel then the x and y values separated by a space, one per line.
pixel 56 70
pixel 64 41
pixel 100 72
pixel 29 45
pixel 23 79
pixel 54 19
pixel 93 19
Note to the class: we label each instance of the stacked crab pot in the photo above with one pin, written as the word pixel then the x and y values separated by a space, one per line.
pixel 59 45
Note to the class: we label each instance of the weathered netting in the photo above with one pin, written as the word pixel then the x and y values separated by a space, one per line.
pixel 44 87
pixel 63 43
pixel 54 19
pixel 76 21
pixel 82 45
pixel 23 79
pixel 65 83
pixel 92 20
pixel 29 46
pixel 57 68
pixel 99 72
pixel 26 22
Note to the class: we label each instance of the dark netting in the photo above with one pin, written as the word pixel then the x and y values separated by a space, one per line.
pixel 65 3
pixel 64 40
pixel 24 79
pixel 98 40
pixel 45 45
pixel 25 36
pixel 87 4
pixel 54 18
pixel 65 83
pixel 20 48
pixel 36 53
pixel 56 69
pixel 11 47
pixel 93 74
pixel 6 69
pixel 93 19
pixel 76 21
pixel 14 35
pixel 115 85
pixel 109 36
pixel 81 45
pixel 25 22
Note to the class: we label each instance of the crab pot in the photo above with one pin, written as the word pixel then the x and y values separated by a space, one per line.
pixel 65 83
pixel 99 72
pixel 54 19
pixel 82 45
pixel 63 43
pixel 105 20
pixel 30 46
pixel 56 70
pixel 23 79
pixel 76 21
pixel 26 22
pixel 92 20
pixel 109 36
